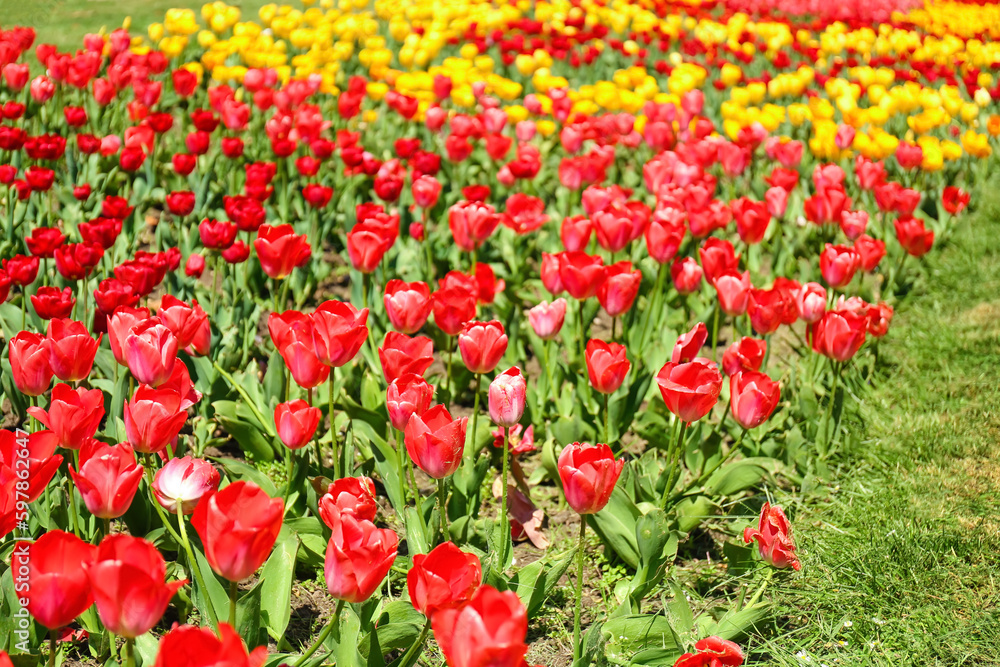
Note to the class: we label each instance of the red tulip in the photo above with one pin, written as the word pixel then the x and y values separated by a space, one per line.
pixel 358 558
pixel 547 318
pixel 51 303
pixel 426 190
pixel 754 397
pixel 482 344
pixel 127 578
pixel 248 213
pixel 690 390
pixel 58 589
pixel 838 264
pixel 619 288
pixel 507 397
pixel 810 302
pixel 43 241
pixel 101 232
pixel 38 460
pixel 954 199
pixel 76 261
pixel 190 646
pixel 765 308
pixel 839 334
pixel 718 258
pixel 665 234
pixel 746 354
pixel 153 418
pixel 606 365
pixel 712 652
pixel 444 578
pixel 184 163
pixel 150 350
pixel 689 345
pixel 487 285
pixel 733 290
pixel 471 223
pixel 774 538
pixel 292 334
pixel 71 349
pixel 589 474
pixel 339 331
pixel 184 481
pixel 407 395
pixel 613 228
pixel 29 363
pixel 752 219
pixel 367 244
pixel 217 235
pixel 870 250
pixel 348 495
pixel 453 306
pixel 21 270
pixel 408 305
pixel 180 203
pixel 575 233
pixel 879 318
pixel 913 236
pixel 317 196
pixel 73 414
pixel 280 250
pixel 296 422
pixel 435 440
pixel 686 275
pixel 489 629
pixel 237 253
pixel 400 354
pixel 238 526
pixel 108 478
pixel 581 274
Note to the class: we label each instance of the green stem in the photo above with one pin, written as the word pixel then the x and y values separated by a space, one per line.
pixel 334 623
pixel 504 528
pixel 583 335
pixel 107 527
pixel 72 496
pixel 715 331
pixel 676 454
pixel 401 471
pixel 52 648
pixel 837 369
pixel 215 281
pixel 548 368
pixel 156 505
pixel 577 644
pixel 291 462
pixel 443 510
pixel 447 377
pixel 233 592
pixel 195 569
pixel 607 438
pixel 333 428
pixel 411 656
pixel 418 500
pixel 475 418
pixel 129 652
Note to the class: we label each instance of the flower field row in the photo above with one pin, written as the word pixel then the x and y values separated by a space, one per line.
pixel 421 301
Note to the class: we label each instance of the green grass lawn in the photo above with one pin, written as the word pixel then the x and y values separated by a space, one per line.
pixel 900 562
pixel 65 22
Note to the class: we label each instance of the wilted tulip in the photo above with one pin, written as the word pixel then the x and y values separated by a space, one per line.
pixel 773 535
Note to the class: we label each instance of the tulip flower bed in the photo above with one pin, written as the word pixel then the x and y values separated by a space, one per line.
pixel 386 336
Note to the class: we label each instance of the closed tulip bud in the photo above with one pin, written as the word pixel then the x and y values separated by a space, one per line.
pixel 29 363
pixel 191 646
pixel 754 397
pixel 482 344
pixel 58 589
pixel 575 233
pixel 280 250
pixel 194 267
pixel 120 324
pixel 752 219
pixel 547 318
pixel 733 290
pixel 408 305
pixel 238 526
pixel 588 474
pixel 296 423
pixel 619 288
pixel 916 239
pixel 107 479
pixel 690 390
pixel 292 334
pixel 777 201
pixel 489 629
pixel 810 301
pixel 71 349
pixel 349 495
pixel 718 258
pixel 507 396
pixel 426 190
pixel 471 223
pixel 444 578
pixel 686 275
pixel 183 482
pixel 746 354
pixel 51 303
pixel 765 308
pixel 358 558
pixel 453 306
pixel 435 441
pixel 153 418
pixel 839 334
pixel 607 365
pixel 407 395
pixel 580 274
pixel 688 345
pixel 128 580
pixel 73 414
pixel 871 251
pixel 339 331
pixel 664 235
pixel 773 535
pixel 838 264
pixel 150 350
